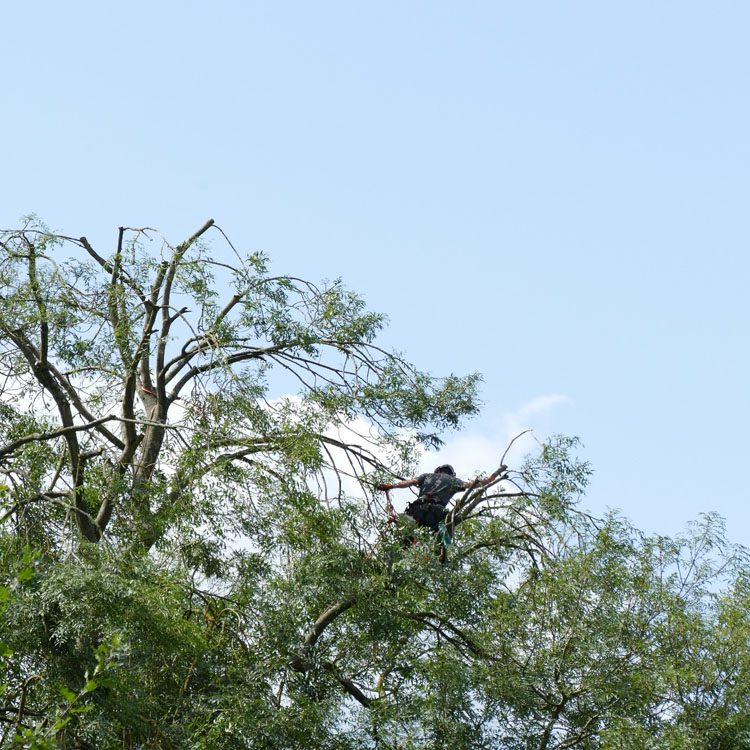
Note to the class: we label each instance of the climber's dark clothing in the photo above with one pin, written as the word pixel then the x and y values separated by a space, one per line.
pixel 439 488
pixel 435 492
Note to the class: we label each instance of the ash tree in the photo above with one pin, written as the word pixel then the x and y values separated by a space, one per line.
pixel 143 389
pixel 192 554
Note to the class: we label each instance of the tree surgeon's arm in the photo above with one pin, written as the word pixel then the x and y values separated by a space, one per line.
pixel 397 485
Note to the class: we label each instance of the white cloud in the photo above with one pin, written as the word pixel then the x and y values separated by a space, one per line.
pixel 474 453
pixel 528 416
pixel 542 404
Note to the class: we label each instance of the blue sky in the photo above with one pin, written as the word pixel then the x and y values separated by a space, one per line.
pixel 552 194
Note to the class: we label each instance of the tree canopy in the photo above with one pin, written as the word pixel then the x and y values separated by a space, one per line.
pixel 193 554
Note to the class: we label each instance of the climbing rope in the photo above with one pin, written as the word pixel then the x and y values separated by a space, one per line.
pixel 392 515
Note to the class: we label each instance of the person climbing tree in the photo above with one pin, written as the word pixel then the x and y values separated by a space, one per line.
pixel 435 492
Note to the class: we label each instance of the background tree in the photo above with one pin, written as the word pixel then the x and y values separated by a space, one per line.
pixel 192 557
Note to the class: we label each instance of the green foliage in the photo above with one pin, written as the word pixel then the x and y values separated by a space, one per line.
pixel 607 640
pixel 191 555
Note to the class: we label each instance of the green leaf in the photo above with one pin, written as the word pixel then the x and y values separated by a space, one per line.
pixel 62 722
pixel 90 686
pixel 81 709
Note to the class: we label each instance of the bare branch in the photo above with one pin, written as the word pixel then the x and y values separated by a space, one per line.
pixel 510 444
pixel 165 303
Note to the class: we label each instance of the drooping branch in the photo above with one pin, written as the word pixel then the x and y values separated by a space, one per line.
pixel 57 385
pixel 41 437
pixel 43 371
pixel 450 632
pixel 246 355
pixel 348 685
pixel 299 662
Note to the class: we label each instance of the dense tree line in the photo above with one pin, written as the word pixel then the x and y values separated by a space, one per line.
pixel 193 558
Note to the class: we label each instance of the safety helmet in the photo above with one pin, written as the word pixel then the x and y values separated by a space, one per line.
pixel 445 469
